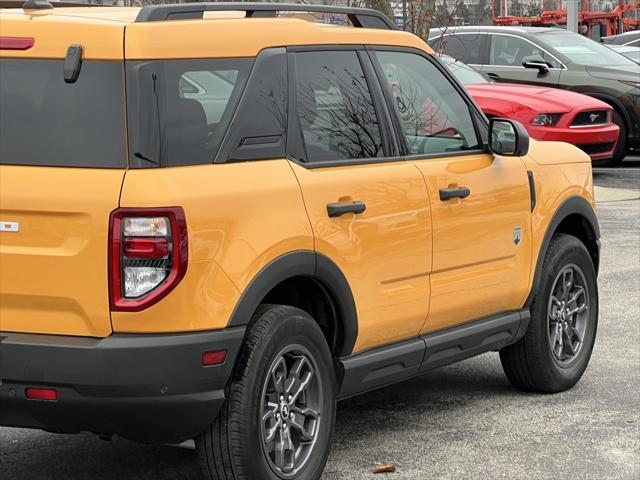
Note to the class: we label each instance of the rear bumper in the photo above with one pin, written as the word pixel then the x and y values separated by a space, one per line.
pixel 598 142
pixel 149 388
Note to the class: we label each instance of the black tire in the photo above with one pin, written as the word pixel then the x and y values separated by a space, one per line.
pixel 530 364
pixel 231 448
pixel 621 149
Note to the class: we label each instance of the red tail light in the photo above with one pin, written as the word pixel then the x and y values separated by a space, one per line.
pixel 48 394
pixel 147 255
pixel 16 43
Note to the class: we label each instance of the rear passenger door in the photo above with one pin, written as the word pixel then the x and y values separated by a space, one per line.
pixel 506 53
pixel 368 208
pixel 480 203
pixel 466 47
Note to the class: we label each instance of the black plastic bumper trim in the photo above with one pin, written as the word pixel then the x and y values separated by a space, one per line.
pixel 150 388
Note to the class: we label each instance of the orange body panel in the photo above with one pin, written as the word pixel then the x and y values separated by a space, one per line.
pixel 477 268
pixel 385 252
pixel 415 264
pixel 101 40
pixel 53 272
pixel 232 232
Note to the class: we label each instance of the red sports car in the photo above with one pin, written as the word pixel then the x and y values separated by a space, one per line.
pixel 547 113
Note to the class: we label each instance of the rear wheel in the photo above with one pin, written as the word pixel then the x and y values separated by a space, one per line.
pixel 277 421
pixel 555 351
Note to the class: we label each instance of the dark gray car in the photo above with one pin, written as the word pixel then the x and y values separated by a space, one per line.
pixel 556 57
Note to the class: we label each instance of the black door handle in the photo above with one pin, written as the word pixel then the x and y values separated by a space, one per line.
pixel 449 193
pixel 495 76
pixel 337 209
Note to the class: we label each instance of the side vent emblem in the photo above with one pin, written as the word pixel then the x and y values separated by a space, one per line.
pixel 9 226
pixel 517 235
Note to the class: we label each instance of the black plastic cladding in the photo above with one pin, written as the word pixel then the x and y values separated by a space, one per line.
pixel 303 264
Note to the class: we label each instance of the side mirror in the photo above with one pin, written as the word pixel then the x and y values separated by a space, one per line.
pixel 508 138
pixel 535 61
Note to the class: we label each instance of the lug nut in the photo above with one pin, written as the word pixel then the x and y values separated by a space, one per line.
pixel 290 397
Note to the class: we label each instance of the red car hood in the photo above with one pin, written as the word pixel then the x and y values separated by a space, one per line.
pixel 540 99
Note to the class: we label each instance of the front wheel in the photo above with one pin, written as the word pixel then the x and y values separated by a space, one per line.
pixel 278 418
pixel 555 351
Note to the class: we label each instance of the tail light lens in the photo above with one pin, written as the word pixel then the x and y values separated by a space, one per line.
pixel 148 255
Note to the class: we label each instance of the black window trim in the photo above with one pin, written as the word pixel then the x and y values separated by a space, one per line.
pixel 474 111
pixel 295 149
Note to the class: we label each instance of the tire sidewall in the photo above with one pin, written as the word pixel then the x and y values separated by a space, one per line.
pixel 571 251
pixel 295 327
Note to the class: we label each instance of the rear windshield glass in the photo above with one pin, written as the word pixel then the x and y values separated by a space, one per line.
pixel 179 110
pixel 47 122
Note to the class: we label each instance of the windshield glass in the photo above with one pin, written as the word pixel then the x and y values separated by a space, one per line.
pixel 463 73
pixel 582 50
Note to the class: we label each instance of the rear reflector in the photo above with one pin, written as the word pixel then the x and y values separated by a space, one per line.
pixel 48 394
pixel 16 43
pixel 145 247
pixel 216 357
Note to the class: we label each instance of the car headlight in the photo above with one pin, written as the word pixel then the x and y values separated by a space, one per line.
pixel 546 119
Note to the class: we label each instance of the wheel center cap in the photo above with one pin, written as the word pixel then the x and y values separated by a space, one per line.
pixel 284 410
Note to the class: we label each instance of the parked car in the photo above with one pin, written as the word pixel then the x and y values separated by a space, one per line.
pixel 554 57
pixel 547 113
pixel 628 51
pixel 169 273
pixel 631 39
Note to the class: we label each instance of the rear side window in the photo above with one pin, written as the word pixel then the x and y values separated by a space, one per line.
pixel 179 110
pixel 47 122
pixel 335 107
pixel 466 47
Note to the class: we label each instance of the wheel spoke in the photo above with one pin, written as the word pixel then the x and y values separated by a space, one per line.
pixel 278 375
pixel 576 294
pixel 272 408
pixel 305 427
pixel 285 452
pixel 298 381
pixel 271 433
pixel 567 283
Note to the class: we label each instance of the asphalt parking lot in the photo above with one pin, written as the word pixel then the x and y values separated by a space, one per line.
pixel 462 421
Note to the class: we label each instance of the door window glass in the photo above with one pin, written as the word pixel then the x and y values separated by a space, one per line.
pixel 509 51
pixel 435 118
pixel 335 107
pixel 464 47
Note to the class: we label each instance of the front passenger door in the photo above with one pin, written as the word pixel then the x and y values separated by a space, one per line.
pixel 480 204
pixel 506 53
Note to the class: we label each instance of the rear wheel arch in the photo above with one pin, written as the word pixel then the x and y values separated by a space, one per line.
pixel 575 217
pixel 311 282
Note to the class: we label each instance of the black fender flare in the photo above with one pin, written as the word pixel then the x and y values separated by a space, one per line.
pixel 571 206
pixel 310 264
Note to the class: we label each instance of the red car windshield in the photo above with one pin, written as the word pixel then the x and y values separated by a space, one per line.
pixel 463 73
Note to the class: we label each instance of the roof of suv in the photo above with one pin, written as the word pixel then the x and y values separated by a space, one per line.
pixel 494 29
pixel 100 31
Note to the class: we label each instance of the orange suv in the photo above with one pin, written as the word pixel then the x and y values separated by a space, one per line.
pixel 218 219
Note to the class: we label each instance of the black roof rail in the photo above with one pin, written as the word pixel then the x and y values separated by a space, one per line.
pixel 359 17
